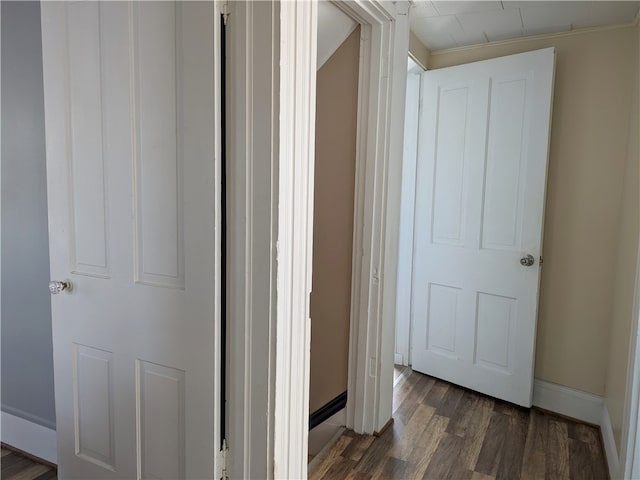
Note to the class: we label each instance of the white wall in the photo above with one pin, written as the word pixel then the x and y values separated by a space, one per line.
pixel 27 352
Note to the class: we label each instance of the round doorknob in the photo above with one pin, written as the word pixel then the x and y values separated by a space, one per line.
pixel 56 287
pixel 527 260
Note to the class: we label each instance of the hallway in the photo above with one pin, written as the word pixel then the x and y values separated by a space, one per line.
pixel 442 431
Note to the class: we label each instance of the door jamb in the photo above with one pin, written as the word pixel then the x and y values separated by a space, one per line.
pixel 406 220
pixel 380 123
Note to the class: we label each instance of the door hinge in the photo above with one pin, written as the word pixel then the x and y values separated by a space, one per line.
pixel 225 12
pixel 221 462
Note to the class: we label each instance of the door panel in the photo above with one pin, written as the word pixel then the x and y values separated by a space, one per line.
pixel 481 174
pixel 502 217
pixel 93 402
pixel 132 167
pixel 449 186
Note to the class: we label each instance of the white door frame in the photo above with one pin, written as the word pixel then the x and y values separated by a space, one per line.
pixel 407 210
pixel 252 55
pixel 630 448
pixel 384 48
pixel 271 127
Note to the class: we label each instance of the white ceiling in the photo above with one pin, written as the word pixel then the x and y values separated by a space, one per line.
pixel 334 26
pixel 447 24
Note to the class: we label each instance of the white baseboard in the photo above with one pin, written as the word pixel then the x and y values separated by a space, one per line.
pixel 609 443
pixel 398 359
pixel 568 401
pixel 324 433
pixel 29 437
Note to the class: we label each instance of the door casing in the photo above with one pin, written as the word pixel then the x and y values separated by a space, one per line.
pixel 271 174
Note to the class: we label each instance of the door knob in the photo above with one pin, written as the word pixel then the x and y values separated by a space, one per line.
pixel 55 286
pixel 527 260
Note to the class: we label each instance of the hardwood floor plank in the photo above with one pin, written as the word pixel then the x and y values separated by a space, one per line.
pixel 533 463
pixel 413 434
pixel 16 467
pixel 10 459
pixel 445 432
pixel 581 432
pixel 503 407
pixel 557 450
pixel 598 459
pixel 339 469
pixel 331 456
pixel 371 460
pixel 436 393
pixel 493 444
pixel 511 463
pixel 590 436
pixel 421 456
pixel 444 458
pixel 392 468
pixel 50 475
pixel 31 472
pixel 401 393
pixel 580 465
pixel 356 475
pixel 450 400
pixel 463 415
pixel 481 476
pixel 476 431
pixel 357 447
pixel 412 400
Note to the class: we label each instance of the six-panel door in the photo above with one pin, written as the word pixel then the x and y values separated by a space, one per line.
pixel 132 129
pixel 480 188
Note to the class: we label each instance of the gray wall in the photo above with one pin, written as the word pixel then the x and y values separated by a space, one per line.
pixel 27 353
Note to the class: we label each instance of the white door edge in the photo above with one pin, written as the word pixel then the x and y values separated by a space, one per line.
pixel 630 448
pixel 407 199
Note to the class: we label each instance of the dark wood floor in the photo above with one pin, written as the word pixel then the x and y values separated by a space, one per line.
pixel 18 467
pixel 442 431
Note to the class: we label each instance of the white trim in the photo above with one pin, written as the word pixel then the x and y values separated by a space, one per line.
pixel 29 437
pixel 252 147
pixel 363 265
pixel 570 33
pixel 298 46
pixel 577 404
pixel 318 436
pixel 609 442
pixel 406 217
pixel 381 95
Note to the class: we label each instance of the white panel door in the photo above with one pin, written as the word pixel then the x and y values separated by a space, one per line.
pixel 480 190
pixel 133 175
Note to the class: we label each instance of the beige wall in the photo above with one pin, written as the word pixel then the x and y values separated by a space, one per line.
pixel 625 272
pixel 418 51
pixel 590 127
pixel 336 115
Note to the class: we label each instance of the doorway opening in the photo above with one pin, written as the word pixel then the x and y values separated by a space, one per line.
pixel 339 39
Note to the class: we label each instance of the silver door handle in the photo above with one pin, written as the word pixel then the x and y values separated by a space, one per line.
pixel 527 260
pixel 56 287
